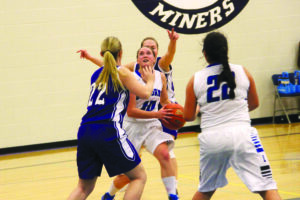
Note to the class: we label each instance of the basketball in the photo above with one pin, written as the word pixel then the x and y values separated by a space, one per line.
pixel 176 121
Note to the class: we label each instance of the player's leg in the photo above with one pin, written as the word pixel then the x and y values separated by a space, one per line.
pixel 203 195
pixel 159 143
pixel 270 195
pixel 174 164
pixel 215 154
pixel 83 189
pixel 118 183
pixel 251 164
pixel 161 153
pixel 137 178
pixel 88 164
pixel 122 180
pixel 173 133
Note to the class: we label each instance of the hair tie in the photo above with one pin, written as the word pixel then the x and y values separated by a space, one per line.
pixel 107 51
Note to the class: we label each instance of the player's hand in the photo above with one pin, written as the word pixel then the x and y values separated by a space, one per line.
pixel 173 35
pixel 164 114
pixel 148 74
pixel 84 54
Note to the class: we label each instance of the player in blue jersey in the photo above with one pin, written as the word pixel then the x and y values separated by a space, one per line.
pixel 101 137
pixel 225 94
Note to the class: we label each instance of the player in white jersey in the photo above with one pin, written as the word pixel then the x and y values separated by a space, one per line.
pixel 225 94
pixel 101 138
pixel 143 127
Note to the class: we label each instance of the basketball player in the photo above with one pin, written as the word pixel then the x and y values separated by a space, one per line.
pixel 143 127
pixel 101 138
pixel 226 93
pixel 162 64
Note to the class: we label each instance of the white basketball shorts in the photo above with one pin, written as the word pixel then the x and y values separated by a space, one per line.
pixel 238 147
pixel 147 134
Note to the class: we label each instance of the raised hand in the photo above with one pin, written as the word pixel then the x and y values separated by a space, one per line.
pixel 173 35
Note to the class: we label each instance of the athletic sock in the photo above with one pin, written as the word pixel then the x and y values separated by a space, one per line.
pixel 170 184
pixel 112 190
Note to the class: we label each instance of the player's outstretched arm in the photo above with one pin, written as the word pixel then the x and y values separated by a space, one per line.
pixel 167 59
pixel 84 54
pixel 97 61
pixel 130 66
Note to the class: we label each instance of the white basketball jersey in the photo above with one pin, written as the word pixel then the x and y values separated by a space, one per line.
pixel 150 104
pixel 215 106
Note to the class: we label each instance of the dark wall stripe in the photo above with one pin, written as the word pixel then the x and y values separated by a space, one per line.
pixel 71 143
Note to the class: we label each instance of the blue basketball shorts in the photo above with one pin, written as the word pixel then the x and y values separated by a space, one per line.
pixel 166 130
pixel 102 144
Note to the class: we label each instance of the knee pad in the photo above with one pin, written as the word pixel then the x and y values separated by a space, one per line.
pixel 172 154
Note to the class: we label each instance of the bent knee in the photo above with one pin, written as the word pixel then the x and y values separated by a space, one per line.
pixel 162 154
pixel 143 177
pixel 165 155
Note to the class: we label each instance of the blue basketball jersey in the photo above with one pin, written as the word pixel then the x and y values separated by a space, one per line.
pixel 102 107
pixel 168 75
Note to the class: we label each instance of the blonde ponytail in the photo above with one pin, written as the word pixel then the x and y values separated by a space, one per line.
pixel 110 50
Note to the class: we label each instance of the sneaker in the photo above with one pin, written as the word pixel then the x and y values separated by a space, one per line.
pixel 107 196
pixel 173 197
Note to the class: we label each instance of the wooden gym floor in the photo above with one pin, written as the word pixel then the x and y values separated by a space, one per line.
pixel 52 174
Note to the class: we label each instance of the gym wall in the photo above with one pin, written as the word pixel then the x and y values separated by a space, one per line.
pixel 45 85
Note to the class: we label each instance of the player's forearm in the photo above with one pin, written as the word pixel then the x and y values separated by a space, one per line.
pixel 171 52
pixel 96 61
pixel 141 114
pixel 165 102
pixel 167 59
pixel 148 89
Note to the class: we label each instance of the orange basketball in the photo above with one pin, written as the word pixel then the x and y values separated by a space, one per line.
pixel 176 121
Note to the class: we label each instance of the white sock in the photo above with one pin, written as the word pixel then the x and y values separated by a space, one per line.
pixel 112 190
pixel 170 184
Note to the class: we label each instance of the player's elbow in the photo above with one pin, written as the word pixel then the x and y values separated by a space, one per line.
pixel 146 94
pixel 130 113
pixel 253 106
